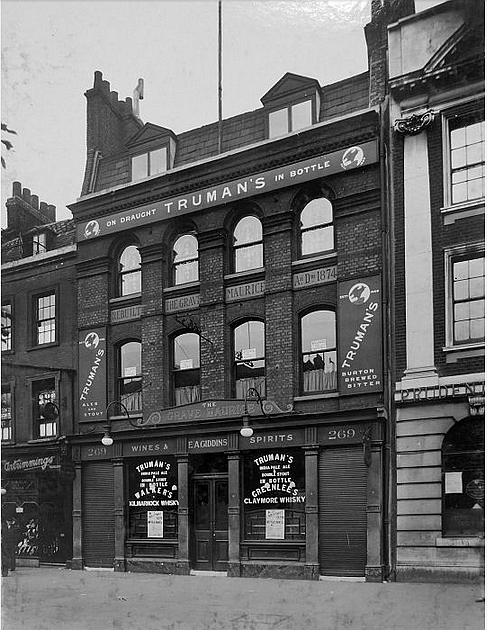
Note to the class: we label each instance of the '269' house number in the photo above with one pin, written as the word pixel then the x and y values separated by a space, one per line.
pixel 347 434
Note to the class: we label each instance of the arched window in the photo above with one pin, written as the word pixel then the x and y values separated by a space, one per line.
pixel 316 225
pixel 318 352
pixel 129 272
pixel 249 347
pixel 130 375
pixel 185 259
pixel 186 371
pixel 464 478
pixel 247 244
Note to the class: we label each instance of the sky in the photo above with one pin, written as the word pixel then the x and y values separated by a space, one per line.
pixel 51 49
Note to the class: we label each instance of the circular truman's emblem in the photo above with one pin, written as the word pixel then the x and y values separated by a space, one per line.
pixel 92 340
pixel 359 293
pixel 352 158
pixel 92 229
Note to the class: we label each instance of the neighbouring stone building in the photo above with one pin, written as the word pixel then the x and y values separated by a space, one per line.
pixel 436 83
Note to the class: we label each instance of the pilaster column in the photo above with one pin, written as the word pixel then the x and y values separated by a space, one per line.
pixel 118 504
pixel 77 560
pixel 234 514
pixel 312 568
pixel 183 514
pixel 374 570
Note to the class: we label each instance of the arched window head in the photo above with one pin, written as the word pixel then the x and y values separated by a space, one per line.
pixel 185 259
pixel 130 375
pixel 249 361
pixel 463 463
pixel 247 244
pixel 316 225
pixel 318 352
pixel 129 272
pixel 186 370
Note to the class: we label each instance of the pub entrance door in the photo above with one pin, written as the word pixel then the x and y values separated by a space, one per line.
pixel 210 522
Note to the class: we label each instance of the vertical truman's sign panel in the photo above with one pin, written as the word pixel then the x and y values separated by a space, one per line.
pixel 360 336
pixel 92 374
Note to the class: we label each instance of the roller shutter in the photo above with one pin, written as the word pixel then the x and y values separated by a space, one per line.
pixel 342 512
pixel 98 515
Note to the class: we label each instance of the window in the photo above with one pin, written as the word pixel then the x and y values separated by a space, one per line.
pixel 316 225
pixel 185 259
pixel 130 376
pixel 275 478
pixel 247 243
pixel 466 157
pixel 318 352
pixel 7 326
pixel 291 118
pixel 45 308
pixel 464 478
pixel 249 362
pixel 186 372
pixel 129 272
pixel 6 413
pixel 468 299
pixel 39 243
pixel 151 163
pixel 44 391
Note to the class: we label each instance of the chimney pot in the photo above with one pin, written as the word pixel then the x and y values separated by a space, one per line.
pixel 43 207
pixel 16 189
pixel 35 201
pixel 26 195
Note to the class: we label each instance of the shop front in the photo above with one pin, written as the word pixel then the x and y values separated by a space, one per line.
pixel 38 502
pixel 286 502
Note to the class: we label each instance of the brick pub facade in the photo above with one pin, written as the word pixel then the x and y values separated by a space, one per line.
pixel 231 317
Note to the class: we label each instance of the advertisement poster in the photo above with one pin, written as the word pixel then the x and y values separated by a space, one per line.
pixel 92 374
pixel 274 524
pixel 155 524
pixel 360 336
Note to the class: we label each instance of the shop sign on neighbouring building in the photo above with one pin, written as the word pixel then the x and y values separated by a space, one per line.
pixel 439 392
pixel 296 173
pixel 25 464
pixel 92 374
pixel 360 336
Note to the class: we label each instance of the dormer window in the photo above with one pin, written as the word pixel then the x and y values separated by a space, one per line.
pixel 39 243
pixel 147 164
pixel 293 103
pixel 290 118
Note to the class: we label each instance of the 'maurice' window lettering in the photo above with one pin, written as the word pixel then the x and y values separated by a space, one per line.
pixel 316 224
pixel 6 326
pixel 467 161
pixel 249 346
pixel 318 352
pixel 291 118
pixel 185 261
pixel 147 164
pixel 129 273
pixel 45 319
pixel 247 244
pixel 468 292
pixel 130 376
pixel 186 372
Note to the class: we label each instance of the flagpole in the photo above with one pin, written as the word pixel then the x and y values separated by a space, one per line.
pixel 220 130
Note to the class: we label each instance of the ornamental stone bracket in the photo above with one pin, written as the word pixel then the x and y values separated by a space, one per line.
pixel 477 405
pixel 415 123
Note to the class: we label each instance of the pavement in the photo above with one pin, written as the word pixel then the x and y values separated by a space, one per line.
pixel 53 598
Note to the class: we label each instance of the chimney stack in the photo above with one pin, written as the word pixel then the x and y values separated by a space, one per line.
pixel 24 211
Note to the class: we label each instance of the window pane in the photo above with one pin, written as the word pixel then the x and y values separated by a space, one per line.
pixel 250 335
pixel 301 115
pixel 475 188
pixel 278 123
pixel 186 272
pixel 457 138
pixel 130 359
pixel 6 327
pixel 130 259
pixel 317 212
pixel 139 167
pixel 460 290
pixel 461 331
pixel 459 193
pixel 318 331
pixel 130 274
pixel 314 241
pixel 249 258
pixel 131 283
pixel 458 157
pixel 187 351
pixel 474 133
pixel 248 230
pixel 185 248
pixel 474 153
pixel 158 162
pixel 462 311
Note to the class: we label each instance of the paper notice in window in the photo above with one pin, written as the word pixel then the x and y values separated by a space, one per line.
pixel 453 483
pixel 155 524
pixel 274 524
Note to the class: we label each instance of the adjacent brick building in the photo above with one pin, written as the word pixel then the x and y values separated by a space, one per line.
pixel 38 376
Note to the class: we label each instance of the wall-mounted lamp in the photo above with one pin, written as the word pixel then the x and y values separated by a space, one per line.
pixel 250 394
pixel 107 439
pixel 3 491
